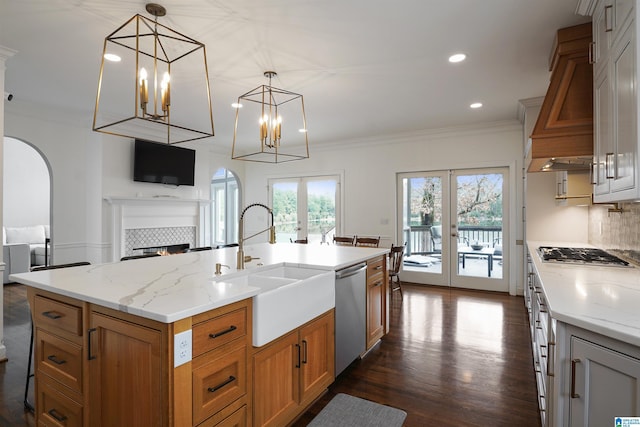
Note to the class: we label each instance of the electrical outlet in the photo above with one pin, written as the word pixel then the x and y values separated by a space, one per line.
pixel 182 343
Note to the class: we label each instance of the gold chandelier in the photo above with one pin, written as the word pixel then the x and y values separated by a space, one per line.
pixel 269 110
pixel 153 84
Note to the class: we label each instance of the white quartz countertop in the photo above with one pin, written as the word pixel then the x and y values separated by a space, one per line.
pixel 602 299
pixel 170 288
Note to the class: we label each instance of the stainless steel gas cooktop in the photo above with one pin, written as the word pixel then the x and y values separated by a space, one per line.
pixel 586 256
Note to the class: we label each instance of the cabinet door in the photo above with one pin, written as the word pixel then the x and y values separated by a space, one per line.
pixel 602 25
pixel 375 310
pixel 126 374
pixel 625 133
pixel 604 384
pixel 276 381
pixel 317 360
pixel 603 132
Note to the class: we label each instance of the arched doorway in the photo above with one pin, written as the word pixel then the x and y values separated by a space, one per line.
pixel 27 195
pixel 225 197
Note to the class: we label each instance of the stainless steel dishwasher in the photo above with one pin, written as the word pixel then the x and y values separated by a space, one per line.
pixel 351 314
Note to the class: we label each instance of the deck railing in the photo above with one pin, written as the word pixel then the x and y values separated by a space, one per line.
pixel 419 242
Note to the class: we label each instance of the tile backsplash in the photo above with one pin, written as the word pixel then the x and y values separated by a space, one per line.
pixel 616 231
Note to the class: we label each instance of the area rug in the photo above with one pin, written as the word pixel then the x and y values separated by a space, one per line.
pixel 349 411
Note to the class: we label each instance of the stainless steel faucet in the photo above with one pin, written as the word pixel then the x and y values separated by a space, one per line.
pixel 272 234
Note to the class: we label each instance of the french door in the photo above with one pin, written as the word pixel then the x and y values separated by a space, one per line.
pixel 305 208
pixel 454 224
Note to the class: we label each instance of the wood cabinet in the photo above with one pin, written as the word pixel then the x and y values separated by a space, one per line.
pixel 377 280
pixel 101 367
pixel 614 54
pixel 292 371
pixel 128 384
pixel 563 132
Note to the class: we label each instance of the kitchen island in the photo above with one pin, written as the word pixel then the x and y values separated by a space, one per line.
pixel 162 341
pixel 585 331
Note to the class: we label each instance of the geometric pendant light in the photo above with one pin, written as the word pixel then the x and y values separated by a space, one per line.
pixel 153 84
pixel 271 126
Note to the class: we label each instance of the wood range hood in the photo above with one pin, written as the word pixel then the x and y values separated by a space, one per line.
pixel 562 138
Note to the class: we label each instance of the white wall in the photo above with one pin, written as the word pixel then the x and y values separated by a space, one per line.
pixel 370 168
pixel 25 189
pixel 546 221
pixel 63 138
pixel 88 166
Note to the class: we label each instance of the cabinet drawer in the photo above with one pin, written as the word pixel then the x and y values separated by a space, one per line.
pixel 60 359
pixel 375 266
pixel 219 331
pixel 56 409
pixel 237 419
pixel 218 379
pixel 55 315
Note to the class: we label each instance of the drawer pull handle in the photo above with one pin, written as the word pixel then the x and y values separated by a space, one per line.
pixel 574 395
pixel 222 384
pixel 57 415
pixel 226 331
pixel 89 356
pixel 378 283
pixel 378 267
pixel 52 315
pixel 55 360
pixel 304 351
pixel 298 350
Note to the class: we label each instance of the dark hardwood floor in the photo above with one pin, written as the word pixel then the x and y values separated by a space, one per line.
pixel 452 358
pixel 17 331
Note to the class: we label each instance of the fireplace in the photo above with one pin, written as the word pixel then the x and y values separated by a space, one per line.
pixel 162 250
pixel 157 223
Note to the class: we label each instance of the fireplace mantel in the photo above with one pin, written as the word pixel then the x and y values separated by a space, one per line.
pixel 131 213
pixel 123 200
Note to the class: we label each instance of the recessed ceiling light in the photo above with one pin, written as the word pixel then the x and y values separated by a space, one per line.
pixel 458 57
pixel 302 130
pixel 112 57
pixel 236 105
pixel 476 105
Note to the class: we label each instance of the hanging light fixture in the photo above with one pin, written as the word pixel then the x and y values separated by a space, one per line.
pixel 153 84
pixel 268 111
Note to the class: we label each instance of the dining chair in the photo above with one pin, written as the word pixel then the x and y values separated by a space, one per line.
pixel 28 405
pixel 395 262
pixel 343 241
pixel 371 242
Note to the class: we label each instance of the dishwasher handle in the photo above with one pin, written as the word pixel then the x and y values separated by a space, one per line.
pixel 350 271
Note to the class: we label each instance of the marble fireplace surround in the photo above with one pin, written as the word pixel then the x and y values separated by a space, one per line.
pixel 156 221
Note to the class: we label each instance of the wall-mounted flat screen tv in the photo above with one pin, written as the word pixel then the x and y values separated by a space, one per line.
pixel 163 163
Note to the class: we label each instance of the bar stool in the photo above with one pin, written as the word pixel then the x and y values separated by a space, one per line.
pixel 130 257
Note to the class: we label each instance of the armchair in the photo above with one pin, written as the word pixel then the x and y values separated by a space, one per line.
pixel 17 259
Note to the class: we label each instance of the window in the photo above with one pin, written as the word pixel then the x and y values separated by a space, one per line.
pixel 225 195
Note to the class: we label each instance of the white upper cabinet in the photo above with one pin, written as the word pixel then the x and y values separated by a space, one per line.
pixel 615 57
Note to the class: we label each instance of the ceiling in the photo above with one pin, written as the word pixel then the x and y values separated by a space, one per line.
pixel 365 67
